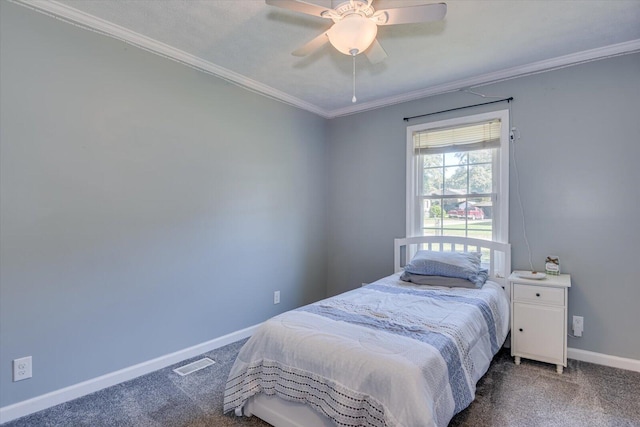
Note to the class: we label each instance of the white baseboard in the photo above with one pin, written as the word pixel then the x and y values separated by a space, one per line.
pixel 604 359
pixel 30 406
pixel 38 403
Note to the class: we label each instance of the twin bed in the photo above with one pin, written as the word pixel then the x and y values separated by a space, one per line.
pixel 391 353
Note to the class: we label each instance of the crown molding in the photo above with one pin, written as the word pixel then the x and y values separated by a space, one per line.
pixel 101 26
pixel 625 48
pixel 93 23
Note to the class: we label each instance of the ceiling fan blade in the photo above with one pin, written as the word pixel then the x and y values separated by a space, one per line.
pixel 300 6
pixel 375 53
pixel 411 14
pixel 311 46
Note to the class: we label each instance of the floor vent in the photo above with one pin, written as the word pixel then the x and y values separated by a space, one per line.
pixel 194 366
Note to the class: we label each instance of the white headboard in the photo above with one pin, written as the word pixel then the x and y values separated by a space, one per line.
pixel 496 256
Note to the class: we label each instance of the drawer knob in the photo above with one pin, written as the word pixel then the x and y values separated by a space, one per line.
pixel 538 294
pixel 520 329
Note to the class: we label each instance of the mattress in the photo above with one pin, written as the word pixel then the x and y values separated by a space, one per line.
pixel 388 354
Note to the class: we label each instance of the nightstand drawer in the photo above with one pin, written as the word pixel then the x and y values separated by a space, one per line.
pixel 538 294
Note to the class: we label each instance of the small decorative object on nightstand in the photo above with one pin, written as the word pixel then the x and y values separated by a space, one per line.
pixel 539 317
pixel 552 265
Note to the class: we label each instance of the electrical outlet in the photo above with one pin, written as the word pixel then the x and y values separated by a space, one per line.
pixel 276 297
pixel 22 368
pixel 578 325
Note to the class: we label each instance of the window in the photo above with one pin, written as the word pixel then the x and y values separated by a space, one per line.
pixel 458 177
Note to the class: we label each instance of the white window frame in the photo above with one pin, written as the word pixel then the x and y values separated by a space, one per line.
pixel 500 170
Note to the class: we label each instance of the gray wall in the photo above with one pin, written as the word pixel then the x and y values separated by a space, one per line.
pixel 145 207
pixel 579 176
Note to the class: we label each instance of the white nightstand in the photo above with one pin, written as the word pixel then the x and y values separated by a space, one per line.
pixel 539 319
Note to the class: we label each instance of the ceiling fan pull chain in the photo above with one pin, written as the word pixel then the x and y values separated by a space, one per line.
pixel 353 100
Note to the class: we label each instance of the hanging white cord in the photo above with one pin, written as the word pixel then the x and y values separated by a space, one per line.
pixel 513 137
pixel 482 95
pixel 353 55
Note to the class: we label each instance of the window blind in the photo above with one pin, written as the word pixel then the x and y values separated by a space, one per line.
pixel 462 138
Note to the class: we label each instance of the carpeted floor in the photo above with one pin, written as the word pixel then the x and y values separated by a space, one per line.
pixel 531 394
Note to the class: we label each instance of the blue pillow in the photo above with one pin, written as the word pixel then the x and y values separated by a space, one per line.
pixel 462 265
pixel 449 282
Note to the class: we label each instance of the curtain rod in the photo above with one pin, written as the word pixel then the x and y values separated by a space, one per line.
pixel 406 119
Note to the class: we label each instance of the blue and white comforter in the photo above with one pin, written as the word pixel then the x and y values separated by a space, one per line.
pixel 387 354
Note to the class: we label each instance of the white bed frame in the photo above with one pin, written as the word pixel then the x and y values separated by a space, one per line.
pixel 497 257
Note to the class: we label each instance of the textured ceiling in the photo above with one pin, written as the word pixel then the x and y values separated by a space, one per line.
pixel 477 42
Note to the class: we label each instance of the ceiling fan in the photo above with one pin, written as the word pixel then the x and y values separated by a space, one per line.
pixel 356 24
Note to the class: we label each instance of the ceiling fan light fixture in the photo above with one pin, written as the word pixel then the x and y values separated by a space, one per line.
pixel 353 33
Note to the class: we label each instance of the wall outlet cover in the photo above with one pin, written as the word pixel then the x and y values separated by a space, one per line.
pixel 22 368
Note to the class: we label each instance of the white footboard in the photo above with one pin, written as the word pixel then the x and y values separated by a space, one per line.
pixel 283 413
